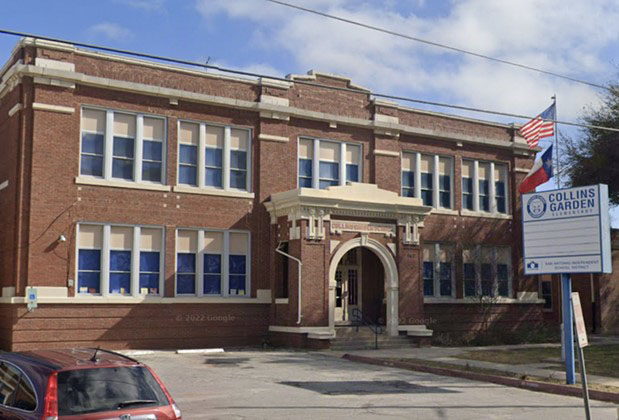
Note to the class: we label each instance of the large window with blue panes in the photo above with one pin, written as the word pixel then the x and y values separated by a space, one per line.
pixel 212 263
pixel 122 146
pixel 214 156
pixel 429 177
pixel 491 194
pixel 438 270
pixel 119 260
pixel 487 271
pixel 324 163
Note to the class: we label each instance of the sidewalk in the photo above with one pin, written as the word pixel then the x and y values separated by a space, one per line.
pixel 447 357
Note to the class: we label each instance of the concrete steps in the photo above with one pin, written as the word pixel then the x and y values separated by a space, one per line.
pixel 348 338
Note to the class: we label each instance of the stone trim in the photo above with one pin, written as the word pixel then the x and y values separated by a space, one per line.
pixel 281 301
pixel 120 184
pixel 386 118
pixel 271 137
pixel 500 300
pixel 274 100
pixel 16 108
pixel 212 191
pixel 521 170
pixel 468 213
pixel 52 108
pixel 390 153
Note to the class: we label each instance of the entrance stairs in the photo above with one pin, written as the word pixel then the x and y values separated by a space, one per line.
pixel 362 337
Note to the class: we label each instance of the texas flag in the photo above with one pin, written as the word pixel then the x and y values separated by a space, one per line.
pixel 539 173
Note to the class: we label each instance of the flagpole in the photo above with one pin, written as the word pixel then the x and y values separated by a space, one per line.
pixel 557 164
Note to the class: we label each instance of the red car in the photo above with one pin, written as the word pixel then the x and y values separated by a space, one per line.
pixel 81 384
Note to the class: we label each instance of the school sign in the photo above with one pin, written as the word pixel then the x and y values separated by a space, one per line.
pixel 567 231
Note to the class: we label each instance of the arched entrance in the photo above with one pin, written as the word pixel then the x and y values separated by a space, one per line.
pixel 390 276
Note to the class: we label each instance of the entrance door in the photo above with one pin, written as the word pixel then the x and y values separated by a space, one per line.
pixel 348 287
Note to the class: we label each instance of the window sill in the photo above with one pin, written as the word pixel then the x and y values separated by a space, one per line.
pixel 449 212
pixel 469 213
pixel 210 191
pixel 128 300
pixel 121 184
pixel 475 301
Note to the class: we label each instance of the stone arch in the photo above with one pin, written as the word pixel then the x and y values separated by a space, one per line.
pixel 391 278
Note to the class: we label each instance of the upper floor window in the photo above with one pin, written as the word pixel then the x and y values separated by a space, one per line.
pixel 212 262
pixel 428 177
pixel 484 186
pixel 212 156
pixel 123 146
pixel 119 260
pixel 325 163
pixel 438 269
pixel 487 271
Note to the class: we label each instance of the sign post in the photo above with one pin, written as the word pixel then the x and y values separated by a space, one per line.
pixel 568 329
pixel 581 339
pixel 567 231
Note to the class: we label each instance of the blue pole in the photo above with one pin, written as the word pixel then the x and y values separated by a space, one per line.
pixel 568 327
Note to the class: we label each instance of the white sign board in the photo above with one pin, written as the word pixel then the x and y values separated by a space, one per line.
pixel 579 321
pixel 31 298
pixel 567 231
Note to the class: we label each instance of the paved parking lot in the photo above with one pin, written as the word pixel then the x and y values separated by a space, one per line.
pixel 312 385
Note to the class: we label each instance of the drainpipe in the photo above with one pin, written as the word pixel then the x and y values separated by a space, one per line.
pixel 279 251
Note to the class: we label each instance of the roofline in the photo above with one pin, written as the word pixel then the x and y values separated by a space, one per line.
pixel 311 75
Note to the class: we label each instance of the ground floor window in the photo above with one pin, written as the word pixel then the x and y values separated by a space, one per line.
pixel 438 273
pixel 212 262
pixel 486 271
pixel 119 260
pixel 545 289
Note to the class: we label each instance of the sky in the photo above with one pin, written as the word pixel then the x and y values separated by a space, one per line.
pixel 569 37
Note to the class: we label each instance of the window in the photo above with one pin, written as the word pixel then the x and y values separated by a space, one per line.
pixel 329 165
pixel 122 146
pixel 325 163
pixel 438 276
pixel 212 263
pixel 119 260
pixel 212 156
pixel 284 270
pixel 428 177
pixel 25 398
pixel 500 187
pixel 467 185
pixel 487 271
pixel 150 261
pixel 546 293
pixel 408 175
pixel 484 187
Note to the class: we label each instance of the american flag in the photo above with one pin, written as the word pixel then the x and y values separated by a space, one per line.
pixel 539 127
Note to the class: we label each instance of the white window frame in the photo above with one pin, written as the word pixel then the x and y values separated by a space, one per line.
pixel 316 160
pixel 477 255
pixel 491 187
pixel 108 146
pixel 104 285
pixel 225 157
pixel 199 276
pixel 435 177
pixel 437 269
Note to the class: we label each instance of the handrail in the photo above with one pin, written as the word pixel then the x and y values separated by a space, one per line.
pixel 358 319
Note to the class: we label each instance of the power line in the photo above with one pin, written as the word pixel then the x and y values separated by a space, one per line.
pixel 300 82
pixel 436 44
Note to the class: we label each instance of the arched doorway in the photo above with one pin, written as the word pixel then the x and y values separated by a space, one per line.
pixel 379 254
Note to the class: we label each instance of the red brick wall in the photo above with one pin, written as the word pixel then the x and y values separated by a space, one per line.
pixel 148 326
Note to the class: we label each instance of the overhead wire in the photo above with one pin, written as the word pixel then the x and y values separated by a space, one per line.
pixel 436 44
pixel 288 80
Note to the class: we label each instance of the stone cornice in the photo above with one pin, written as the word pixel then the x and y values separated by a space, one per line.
pixel 19 70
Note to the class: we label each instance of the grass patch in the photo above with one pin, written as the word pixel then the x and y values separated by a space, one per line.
pixel 599 360
pixel 468 368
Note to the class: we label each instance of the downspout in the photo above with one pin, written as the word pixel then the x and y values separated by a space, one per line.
pixel 279 251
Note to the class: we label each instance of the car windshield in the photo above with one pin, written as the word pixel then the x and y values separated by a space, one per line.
pixel 103 389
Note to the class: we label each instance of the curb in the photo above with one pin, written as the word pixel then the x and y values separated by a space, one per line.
pixel 484 377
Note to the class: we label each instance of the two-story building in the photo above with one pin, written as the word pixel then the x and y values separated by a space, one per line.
pixel 156 206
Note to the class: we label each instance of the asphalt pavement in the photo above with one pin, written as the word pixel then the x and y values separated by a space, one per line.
pixel 319 385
